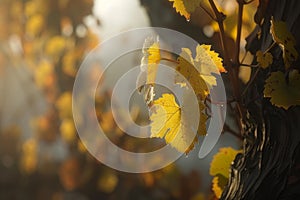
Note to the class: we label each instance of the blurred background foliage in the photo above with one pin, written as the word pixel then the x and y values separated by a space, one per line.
pixel 42 44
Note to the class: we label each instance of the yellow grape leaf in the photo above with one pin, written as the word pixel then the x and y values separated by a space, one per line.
pixel 153 60
pixel 180 8
pixel 199 71
pixel 170 123
pixel 282 36
pixel 185 7
pixel 191 5
pixel 222 161
pixel 148 67
pixel 209 58
pixel 264 60
pixel 283 93
pixel 214 56
pixel 188 69
pixel 218 184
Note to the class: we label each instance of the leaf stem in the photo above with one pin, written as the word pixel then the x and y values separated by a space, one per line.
pixel 247 65
pixel 170 60
pixel 270 47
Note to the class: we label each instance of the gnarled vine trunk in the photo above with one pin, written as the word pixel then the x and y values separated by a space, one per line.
pixel 269 168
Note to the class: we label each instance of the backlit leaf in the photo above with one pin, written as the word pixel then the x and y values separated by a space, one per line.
pixel 222 161
pixel 199 71
pixel 191 5
pixel 148 67
pixel 153 60
pixel 264 60
pixel 188 69
pixel 283 93
pixel 218 184
pixel 208 62
pixel 282 36
pixel 213 55
pixel 170 123
pixel 180 8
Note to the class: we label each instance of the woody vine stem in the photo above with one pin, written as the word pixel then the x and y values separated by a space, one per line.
pixel 232 64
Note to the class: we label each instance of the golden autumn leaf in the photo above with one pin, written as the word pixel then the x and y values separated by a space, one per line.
pixel 153 60
pixel 149 65
pixel 264 60
pixel 283 93
pixel 213 55
pixel 191 5
pixel 216 188
pixel 171 123
pixel 208 62
pixel 180 8
pixel 222 161
pixel 187 68
pixel 185 7
pixel 218 184
pixel 199 71
pixel 284 38
pixel 220 168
